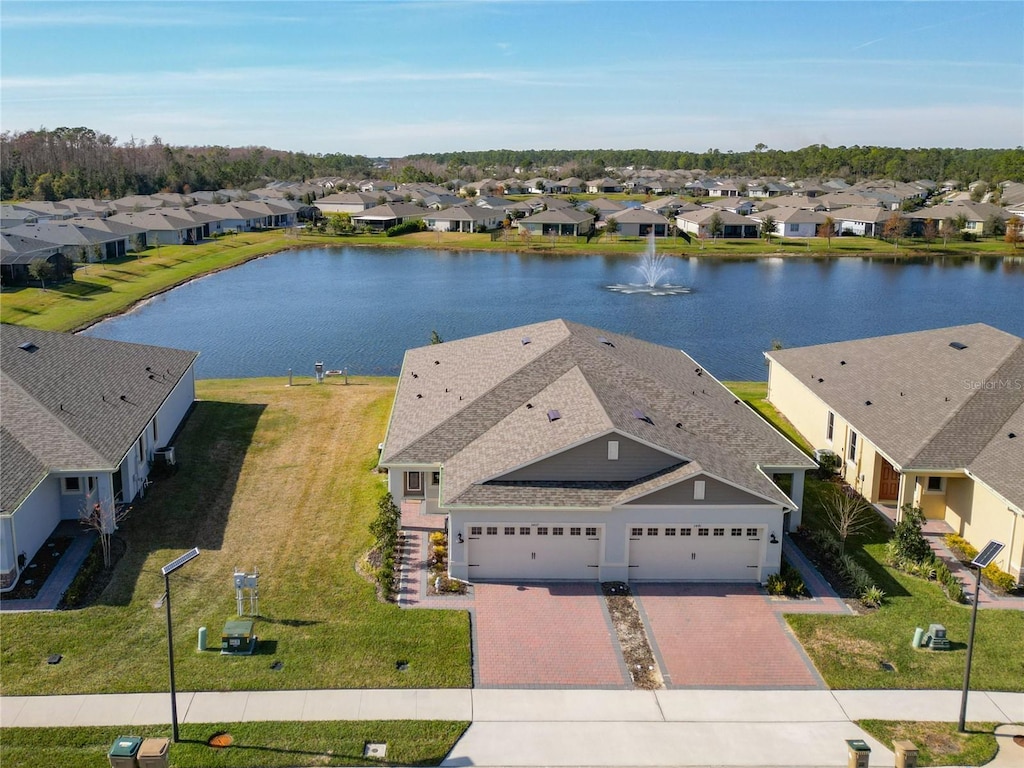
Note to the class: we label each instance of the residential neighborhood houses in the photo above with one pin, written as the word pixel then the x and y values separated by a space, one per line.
pixel 688 202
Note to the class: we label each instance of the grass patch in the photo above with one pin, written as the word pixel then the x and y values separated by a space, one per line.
pixel 271 477
pixel 938 743
pixel 271 745
pixel 848 651
pixel 755 394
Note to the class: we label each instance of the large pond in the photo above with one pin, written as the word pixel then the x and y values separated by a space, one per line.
pixel 361 308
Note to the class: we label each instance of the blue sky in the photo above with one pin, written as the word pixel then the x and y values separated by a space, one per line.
pixel 393 78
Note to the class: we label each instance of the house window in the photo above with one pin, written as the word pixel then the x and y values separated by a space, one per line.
pixel 702 531
pixel 435 478
pixel 574 531
pixel 685 531
pixel 719 531
pixel 140 446
pixel 71 485
pixel 591 531
pixel 492 530
pixel 475 530
pixel 698 490
pixel 90 483
pixel 830 426
pixel 613 450
pixel 751 531
pixel 652 531
pixel 524 530
pixel 413 482
pixel 794 228
pixel 155 433
pixel 852 453
pixel 557 531
pixel 542 530
pixel 636 532
pixel 510 530
pixel 936 485
pixel 737 531
pixel 670 531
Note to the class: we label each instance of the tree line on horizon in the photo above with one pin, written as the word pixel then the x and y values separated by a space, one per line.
pixel 81 162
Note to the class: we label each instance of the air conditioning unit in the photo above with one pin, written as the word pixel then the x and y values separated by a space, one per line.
pixel 826 455
pixel 164 456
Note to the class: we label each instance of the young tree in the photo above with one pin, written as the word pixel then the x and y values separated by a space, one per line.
pixel 930 231
pixel 715 225
pixel 827 228
pixel 768 227
pixel 995 226
pixel 339 223
pixel 102 517
pixel 1014 231
pixel 948 228
pixel 611 226
pixel 895 228
pixel 41 270
pixel 847 513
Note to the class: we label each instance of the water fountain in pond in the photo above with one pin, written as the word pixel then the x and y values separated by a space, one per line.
pixel 652 269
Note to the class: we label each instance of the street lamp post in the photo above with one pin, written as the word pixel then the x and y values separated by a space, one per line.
pixel 167 570
pixel 986 556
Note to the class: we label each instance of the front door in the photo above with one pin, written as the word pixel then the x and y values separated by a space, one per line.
pixel 413 483
pixel 888 483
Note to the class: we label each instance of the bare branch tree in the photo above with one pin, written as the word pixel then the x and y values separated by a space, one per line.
pixel 847 513
pixel 102 517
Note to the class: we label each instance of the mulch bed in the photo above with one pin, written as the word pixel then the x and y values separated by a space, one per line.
pixel 35 574
pixel 636 648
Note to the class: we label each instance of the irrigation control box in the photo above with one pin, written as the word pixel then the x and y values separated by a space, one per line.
pixel 237 638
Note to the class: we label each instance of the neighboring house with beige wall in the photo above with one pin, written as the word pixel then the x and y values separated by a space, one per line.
pixel 931 418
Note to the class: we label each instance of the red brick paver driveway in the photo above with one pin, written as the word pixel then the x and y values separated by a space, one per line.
pixel 545 636
pixel 722 636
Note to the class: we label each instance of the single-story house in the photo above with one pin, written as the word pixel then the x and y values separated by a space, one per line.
pixel 347 202
pixel 564 221
pixel 569 186
pixel 603 186
pixel 169 226
pixel 83 418
pixel 741 205
pixel 467 218
pixel 18 252
pixel 670 206
pixel 734 226
pixel 383 217
pixel 560 451
pixel 792 222
pixel 78 242
pixel 976 216
pixel 639 222
pixel 932 418
pixel 868 221
pixel 603 206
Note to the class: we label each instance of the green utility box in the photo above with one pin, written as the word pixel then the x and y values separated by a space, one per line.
pixel 124 751
pixel 860 753
pixel 238 639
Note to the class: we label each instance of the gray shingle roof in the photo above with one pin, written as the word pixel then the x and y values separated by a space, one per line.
pixel 76 402
pixel 480 407
pixel 933 407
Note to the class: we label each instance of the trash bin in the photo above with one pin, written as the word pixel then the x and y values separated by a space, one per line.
pixel 153 753
pixel 860 753
pixel 906 754
pixel 123 752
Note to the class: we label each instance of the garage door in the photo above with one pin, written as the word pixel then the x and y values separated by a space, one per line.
pixel 694 553
pixel 555 551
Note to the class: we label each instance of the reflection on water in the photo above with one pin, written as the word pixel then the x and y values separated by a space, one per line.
pixel 360 308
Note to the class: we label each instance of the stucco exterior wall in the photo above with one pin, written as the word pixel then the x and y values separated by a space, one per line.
pixel 27 529
pixel 973 511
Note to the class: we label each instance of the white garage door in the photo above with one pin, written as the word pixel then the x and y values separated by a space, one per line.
pixel 556 551
pixel 694 553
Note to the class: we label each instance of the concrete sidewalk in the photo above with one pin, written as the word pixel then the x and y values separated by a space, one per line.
pixel 567 727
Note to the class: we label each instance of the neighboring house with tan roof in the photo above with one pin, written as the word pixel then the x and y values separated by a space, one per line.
pixel 82 419
pixel 640 222
pixel 560 451
pixel 931 418
pixel 564 221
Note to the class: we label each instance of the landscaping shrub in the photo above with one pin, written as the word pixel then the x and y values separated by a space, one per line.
pixel 81 584
pixel 416 225
pixel 794 582
pixel 385 528
pixel 992 573
pixel 910 542
pixel 776 585
pixel 851 574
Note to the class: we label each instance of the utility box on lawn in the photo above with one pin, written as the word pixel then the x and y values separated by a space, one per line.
pixel 238 639
pixel 906 754
pixel 123 752
pixel 153 753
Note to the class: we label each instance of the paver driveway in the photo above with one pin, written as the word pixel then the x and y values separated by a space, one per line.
pixel 550 635
pixel 722 636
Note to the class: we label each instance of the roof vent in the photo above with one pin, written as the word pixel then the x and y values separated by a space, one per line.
pixel 638 414
pixel 28 346
pixel 867 402
pixel 437 362
pixel 605 341
pixel 821 381
pixel 1012 435
pixel 842 362
pixel 419 396
pixel 679 425
pixel 415 375
pixel 526 340
pixel 529 406
pixel 554 415
pixel 699 371
pixel 957 345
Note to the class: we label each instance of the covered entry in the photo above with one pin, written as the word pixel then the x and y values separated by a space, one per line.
pixel 548 551
pixel 695 552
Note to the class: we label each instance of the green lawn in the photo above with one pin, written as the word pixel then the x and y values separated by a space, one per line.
pixel 938 743
pixel 754 394
pixel 270 745
pixel 271 477
pixel 849 650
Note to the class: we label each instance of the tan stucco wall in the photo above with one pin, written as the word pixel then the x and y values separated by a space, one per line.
pixel 980 516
